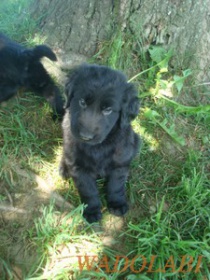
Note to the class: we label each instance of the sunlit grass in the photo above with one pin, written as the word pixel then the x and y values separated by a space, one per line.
pixel 59 238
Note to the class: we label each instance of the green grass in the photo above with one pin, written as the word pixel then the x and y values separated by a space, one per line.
pixel 17 22
pixel 167 230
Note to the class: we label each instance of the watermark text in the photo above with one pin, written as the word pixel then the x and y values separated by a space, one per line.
pixel 140 264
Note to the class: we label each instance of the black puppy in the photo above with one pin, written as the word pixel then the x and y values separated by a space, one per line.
pixel 98 138
pixel 21 68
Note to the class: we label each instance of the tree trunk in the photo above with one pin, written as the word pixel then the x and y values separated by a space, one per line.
pixel 75 27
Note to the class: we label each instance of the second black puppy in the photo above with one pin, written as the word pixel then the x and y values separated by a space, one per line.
pixel 98 138
pixel 21 68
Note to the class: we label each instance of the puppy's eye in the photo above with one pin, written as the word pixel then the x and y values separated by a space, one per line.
pixel 82 103
pixel 107 111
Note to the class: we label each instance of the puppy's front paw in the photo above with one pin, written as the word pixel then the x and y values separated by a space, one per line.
pixel 118 210
pixel 92 217
pixel 64 171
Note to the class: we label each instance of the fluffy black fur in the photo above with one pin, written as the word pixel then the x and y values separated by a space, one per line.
pixel 21 68
pixel 98 138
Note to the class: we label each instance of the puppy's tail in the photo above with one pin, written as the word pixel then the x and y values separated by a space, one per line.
pixel 38 52
pixel 43 50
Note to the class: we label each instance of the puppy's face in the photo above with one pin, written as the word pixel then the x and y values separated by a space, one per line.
pixel 98 99
pixel 93 115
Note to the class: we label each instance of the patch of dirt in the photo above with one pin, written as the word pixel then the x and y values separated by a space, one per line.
pixel 19 206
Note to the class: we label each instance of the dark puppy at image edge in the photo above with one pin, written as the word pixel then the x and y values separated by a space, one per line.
pixel 98 138
pixel 21 69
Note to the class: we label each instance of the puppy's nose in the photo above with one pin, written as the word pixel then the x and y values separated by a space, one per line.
pixel 86 136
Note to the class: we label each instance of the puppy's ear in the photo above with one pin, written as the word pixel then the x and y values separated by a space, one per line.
pixel 130 106
pixel 69 87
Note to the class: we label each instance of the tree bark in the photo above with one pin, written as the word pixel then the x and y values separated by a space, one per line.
pixel 177 24
pixel 75 27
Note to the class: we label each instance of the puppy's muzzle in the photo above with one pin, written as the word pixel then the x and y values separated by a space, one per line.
pixel 86 136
